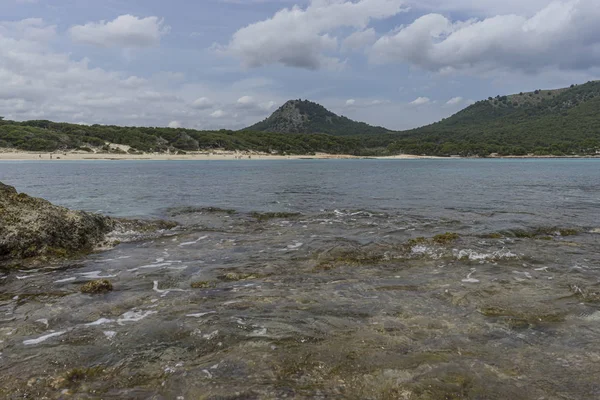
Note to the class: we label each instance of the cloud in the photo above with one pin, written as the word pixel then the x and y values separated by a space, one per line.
pixel 246 102
pixel 359 40
pixel 253 106
pixel 218 114
pixel 303 38
pixel 350 102
pixel 202 103
pixel 125 31
pixel 420 101
pixel 482 7
pixel 174 124
pixel 454 101
pixel 39 82
pixel 31 29
pixel 564 35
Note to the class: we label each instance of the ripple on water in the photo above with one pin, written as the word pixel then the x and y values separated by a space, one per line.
pixel 42 339
pixel 134 316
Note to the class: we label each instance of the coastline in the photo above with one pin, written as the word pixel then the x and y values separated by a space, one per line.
pixel 220 155
pixel 217 155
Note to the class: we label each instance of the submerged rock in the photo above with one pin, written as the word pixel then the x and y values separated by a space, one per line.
pixel 31 227
pixel 97 286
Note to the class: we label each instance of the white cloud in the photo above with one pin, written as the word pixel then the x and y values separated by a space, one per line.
pixel 350 102
pixel 31 29
pixel 218 114
pixel 246 102
pixel 303 38
pixel 563 35
pixel 174 124
pixel 202 103
pixel 419 101
pixel 359 39
pixel 455 101
pixel 125 31
pixel 482 7
pixel 41 83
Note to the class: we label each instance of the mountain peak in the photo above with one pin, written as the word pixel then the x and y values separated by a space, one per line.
pixel 304 116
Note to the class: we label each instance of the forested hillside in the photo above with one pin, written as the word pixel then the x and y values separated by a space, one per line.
pixel 46 136
pixel 559 122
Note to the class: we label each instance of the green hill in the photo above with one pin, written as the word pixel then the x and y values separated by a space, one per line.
pixel 563 121
pixel 303 116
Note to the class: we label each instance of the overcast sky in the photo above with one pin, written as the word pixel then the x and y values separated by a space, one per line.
pixel 209 64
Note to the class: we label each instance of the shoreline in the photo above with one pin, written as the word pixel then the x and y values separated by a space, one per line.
pixel 8 155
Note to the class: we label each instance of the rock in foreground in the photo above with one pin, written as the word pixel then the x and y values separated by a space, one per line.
pixel 32 227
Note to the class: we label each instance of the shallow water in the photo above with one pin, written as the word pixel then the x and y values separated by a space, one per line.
pixel 356 296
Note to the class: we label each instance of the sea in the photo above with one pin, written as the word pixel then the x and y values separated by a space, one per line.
pixel 360 279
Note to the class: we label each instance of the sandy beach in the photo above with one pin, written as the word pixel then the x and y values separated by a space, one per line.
pixel 10 155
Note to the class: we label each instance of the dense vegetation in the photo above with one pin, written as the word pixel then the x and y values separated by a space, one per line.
pixel 46 136
pixel 303 116
pixel 557 122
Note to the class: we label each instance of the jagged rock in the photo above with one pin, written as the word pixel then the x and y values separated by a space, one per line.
pixel 32 227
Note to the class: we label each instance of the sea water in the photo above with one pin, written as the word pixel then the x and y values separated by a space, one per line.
pixel 410 279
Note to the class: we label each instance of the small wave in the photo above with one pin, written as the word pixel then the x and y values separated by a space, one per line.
pixel 177 211
pixel 427 251
pixel 101 321
pixel 473 255
pixel 134 316
pixel 200 315
pixel 193 242
pixel 43 338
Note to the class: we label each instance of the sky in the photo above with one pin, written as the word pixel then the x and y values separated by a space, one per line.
pixel 226 64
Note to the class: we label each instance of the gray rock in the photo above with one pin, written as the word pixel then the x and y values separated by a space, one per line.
pixel 31 227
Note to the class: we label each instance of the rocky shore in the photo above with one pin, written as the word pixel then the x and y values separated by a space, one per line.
pixel 32 229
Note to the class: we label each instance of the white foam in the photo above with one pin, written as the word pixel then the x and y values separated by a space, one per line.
pixel 200 315
pixel 43 321
pixel 473 255
pixel 66 280
pixel 134 316
pixel 469 279
pixel 156 265
pixel 101 321
pixel 43 338
pixel 177 268
pixel 259 332
pixel 165 291
pixel 526 274
pixel 109 334
pixel 211 335
pixel 95 275
pixel 419 249
pixel 27 276
pixel 295 246
pixel 194 242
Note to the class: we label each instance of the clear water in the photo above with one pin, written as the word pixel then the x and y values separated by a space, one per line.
pixel 565 191
pixel 354 297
